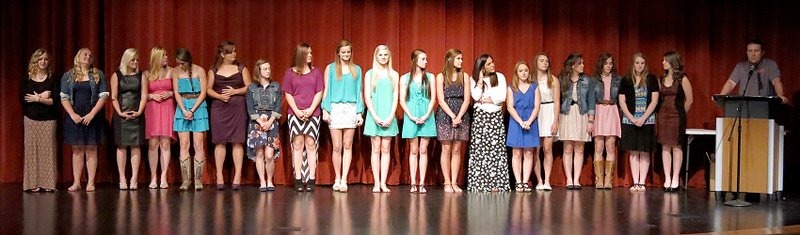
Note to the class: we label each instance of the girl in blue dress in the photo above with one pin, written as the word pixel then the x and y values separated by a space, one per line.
pixel 522 102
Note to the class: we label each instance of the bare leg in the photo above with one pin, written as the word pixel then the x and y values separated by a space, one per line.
pixel 568 145
pixel 611 148
pixel 423 162
pixel 311 154
pixel 199 140
pixel 136 159
pixel 578 161
pixel 270 165
pixel 166 156
pixel 375 162
pixel 91 166
pixel 219 160
pixel 260 166
pixel 386 145
pixel 413 157
pixel 122 161
pixel 666 159
pixel 455 165
pixel 527 164
pixel 297 155
pixel 634 157
pixel 238 160
pixel 677 162
pixel 444 161
pixel 548 160
pixel 78 152
pixel 336 156
pixel 644 166
pixel 347 155
pixel 152 159
pixel 516 164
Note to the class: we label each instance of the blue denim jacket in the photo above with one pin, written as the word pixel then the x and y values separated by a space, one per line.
pixel 99 89
pixel 263 101
pixel 616 80
pixel 586 96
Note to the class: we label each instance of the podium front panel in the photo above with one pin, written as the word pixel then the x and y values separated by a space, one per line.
pixel 755 155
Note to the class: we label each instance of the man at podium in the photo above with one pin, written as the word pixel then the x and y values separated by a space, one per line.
pixel 765 75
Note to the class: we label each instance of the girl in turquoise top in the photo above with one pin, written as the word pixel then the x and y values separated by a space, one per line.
pixel 416 89
pixel 191 116
pixel 342 107
pixel 380 96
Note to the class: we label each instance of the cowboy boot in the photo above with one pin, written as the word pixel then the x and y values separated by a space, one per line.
pixel 198 174
pixel 186 174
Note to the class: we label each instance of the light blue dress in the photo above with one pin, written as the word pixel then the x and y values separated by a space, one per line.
pixel 417 103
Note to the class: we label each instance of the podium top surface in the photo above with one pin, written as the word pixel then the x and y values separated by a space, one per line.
pixel 700 132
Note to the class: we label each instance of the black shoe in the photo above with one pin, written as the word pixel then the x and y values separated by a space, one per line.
pixel 298 184
pixel 310 185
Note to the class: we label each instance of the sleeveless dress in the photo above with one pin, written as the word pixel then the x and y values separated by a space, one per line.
pixel 199 122
pixel 417 103
pixel 524 104
pixel 547 110
pixel 128 132
pixel 454 97
pixel 159 116
pixel 228 120
pixel 382 97
pixel 671 120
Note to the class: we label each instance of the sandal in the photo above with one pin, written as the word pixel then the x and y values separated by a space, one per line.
pixel 122 185
pixel 526 188
pixel 413 189
pixel 519 188
pixel 134 185
pixel 376 189
pixel 385 189
pixel 422 189
pixel 90 188
pixel 342 187
pixel 153 185
pixel 74 187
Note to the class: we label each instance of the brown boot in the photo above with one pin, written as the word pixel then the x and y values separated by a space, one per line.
pixel 598 174
pixel 609 174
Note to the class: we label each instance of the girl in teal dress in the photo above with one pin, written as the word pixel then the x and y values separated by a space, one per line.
pixel 191 116
pixel 380 97
pixel 416 89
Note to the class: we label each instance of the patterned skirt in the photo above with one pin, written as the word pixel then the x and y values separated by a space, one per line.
pixel 40 154
pixel 257 138
pixel 487 168
pixel 308 127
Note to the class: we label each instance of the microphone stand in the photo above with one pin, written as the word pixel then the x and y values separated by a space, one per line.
pixel 738 202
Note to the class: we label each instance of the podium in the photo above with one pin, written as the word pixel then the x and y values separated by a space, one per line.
pixel 762 145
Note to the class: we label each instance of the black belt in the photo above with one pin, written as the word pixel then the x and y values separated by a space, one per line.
pixel 573 103
pixel 547 102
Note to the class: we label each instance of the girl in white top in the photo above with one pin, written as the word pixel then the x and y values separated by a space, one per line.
pixel 548 118
pixel 487 169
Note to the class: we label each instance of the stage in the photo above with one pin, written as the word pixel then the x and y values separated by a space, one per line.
pixel 587 211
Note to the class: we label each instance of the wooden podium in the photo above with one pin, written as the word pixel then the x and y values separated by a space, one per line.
pixel 761 150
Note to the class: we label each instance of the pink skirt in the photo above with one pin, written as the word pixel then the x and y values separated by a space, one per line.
pixel 607 121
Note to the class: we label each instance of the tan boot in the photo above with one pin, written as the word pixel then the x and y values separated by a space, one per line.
pixel 198 174
pixel 609 174
pixel 186 174
pixel 598 174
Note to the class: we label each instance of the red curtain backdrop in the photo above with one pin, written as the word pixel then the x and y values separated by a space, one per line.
pixel 710 35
